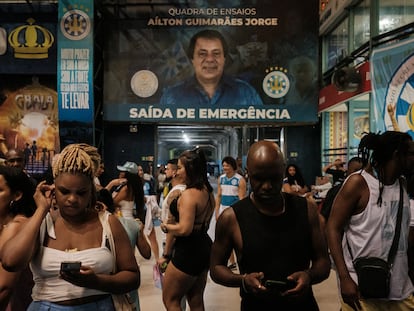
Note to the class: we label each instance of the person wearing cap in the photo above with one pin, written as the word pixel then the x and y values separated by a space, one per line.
pixel 337 170
pixel 128 194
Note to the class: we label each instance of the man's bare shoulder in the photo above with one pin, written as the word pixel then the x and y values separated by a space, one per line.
pixel 227 217
pixel 354 182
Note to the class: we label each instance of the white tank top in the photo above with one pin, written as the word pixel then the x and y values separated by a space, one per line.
pixel 45 267
pixel 372 231
pixel 127 208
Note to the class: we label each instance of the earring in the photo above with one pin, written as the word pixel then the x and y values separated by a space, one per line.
pixel 11 203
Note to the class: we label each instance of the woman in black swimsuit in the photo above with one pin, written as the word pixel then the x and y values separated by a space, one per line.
pixel 186 274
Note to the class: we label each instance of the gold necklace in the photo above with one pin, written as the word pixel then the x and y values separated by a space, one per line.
pixel 71 250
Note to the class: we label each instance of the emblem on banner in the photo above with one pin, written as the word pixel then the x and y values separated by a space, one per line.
pixel 31 41
pixel 75 25
pixel 276 83
pixel 144 83
pixel 3 41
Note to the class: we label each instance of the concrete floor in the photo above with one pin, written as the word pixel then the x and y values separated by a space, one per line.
pixel 220 298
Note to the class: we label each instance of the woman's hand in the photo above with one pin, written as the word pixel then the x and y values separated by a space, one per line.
pixel 115 183
pixel 120 181
pixel 85 277
pixel 162 263
pixel 163 227
pixel 44 196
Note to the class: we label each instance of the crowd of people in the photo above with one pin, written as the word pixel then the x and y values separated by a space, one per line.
pixel 262 230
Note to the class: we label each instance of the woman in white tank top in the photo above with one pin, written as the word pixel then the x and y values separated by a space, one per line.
pixel 77 234
pixel 128 193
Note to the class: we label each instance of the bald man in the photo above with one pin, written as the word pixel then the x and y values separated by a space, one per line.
pixel 277 238
pixel 15 158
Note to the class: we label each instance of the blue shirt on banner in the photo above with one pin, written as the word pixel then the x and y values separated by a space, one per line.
pixel 230 91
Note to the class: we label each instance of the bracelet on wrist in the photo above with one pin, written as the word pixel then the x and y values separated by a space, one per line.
pixel 310 275
pixel 244 283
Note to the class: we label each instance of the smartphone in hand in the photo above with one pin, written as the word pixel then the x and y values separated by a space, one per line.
pixel 70 266
pixel 280 286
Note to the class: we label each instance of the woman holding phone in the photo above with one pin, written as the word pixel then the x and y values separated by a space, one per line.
pixel 76 234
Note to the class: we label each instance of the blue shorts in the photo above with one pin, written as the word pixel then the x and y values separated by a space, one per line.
pixel 100 305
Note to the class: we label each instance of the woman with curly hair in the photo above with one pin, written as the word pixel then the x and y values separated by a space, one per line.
pixel 293 182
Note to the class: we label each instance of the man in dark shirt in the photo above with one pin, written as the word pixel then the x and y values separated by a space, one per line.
pixel 337 170
pixel 279 245
pixel 355 164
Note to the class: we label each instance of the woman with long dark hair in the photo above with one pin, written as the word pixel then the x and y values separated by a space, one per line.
pixel 128 195
pixel 293 182
pixel 186 274
pixel 16 205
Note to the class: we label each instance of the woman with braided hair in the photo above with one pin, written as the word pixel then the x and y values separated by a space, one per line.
pixel 363 222
pixel 76 234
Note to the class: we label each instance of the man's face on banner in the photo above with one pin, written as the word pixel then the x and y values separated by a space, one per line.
pixel 208 59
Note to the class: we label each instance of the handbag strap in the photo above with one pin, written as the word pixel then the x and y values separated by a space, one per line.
pixel 394 245
pixel 103 216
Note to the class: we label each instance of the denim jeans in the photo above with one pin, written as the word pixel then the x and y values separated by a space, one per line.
pixel 100 305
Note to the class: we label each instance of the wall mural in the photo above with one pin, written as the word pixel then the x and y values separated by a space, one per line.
pixel 27 115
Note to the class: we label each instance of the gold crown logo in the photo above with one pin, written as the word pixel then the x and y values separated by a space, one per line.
pixel 31 41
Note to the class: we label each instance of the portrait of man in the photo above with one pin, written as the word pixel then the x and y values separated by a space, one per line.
pixel 304 89
pixel 210 86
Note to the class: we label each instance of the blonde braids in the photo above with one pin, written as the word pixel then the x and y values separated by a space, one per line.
pixel 93 153
pixel 77 158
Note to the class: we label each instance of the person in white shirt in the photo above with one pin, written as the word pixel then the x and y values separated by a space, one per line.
pixel 362 222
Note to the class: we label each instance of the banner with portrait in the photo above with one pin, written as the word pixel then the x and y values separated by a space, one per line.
pixel 155 72
pixel 392 75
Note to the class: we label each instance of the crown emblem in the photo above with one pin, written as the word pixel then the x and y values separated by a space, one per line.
pixel 31 41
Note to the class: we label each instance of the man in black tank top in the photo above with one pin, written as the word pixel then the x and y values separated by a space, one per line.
pixel 280 247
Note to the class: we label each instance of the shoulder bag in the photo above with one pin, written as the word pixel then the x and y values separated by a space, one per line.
pixel 373 272
pixel 122 302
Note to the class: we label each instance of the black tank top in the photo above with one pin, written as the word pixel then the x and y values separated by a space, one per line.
pixel 208 213
pixel 276 245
